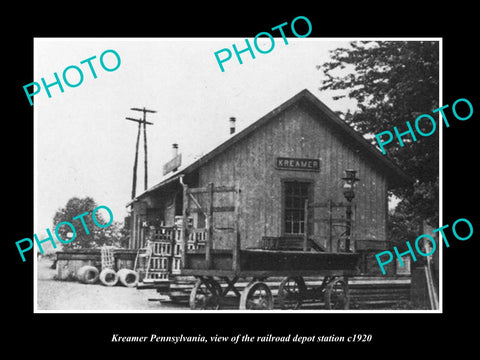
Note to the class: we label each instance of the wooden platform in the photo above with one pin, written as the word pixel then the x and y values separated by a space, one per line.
pixel 255 262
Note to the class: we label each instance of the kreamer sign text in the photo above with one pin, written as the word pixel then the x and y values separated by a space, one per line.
pixel 298 164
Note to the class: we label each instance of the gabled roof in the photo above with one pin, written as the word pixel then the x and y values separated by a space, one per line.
pixel 394 174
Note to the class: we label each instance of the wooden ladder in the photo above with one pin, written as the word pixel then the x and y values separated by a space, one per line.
pixel 108 260
pixel 145 254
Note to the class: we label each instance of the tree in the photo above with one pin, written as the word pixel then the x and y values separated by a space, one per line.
pixel 402 226
pixel 394 82
pixel 97 236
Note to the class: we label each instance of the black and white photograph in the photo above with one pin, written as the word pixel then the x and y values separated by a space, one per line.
pixel 238 189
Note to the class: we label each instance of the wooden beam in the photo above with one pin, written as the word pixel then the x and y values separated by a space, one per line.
pixel 139 121
pixel 209 242
pixel 199 207
pixel 204 190
pixel 266 273
pixel 305 226
pixel 225 189
pixel 237 245
pixel 144 110
pixel 134 184
pixel 145 157
pixel 330 232
pixel 200 190
pixel 215 209
pixel 230 286
pixel 184 224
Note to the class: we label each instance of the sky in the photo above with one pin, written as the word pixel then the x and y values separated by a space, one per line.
pixel 85 147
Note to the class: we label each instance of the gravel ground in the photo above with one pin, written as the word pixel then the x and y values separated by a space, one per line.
pixel 71 296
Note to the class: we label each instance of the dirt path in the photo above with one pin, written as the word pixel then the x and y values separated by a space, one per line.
pixel 72 296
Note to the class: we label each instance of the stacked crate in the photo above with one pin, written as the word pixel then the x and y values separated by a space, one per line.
pixel 196 240
pixel 162 239
pixel 166 249
pixel 177 251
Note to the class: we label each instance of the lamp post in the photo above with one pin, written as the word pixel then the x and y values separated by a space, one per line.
pixel 349 192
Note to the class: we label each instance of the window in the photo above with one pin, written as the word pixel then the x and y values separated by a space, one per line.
pixel 295 195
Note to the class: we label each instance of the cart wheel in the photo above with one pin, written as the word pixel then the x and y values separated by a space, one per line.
pixel 204 295
pixel 336 296
pixel 291 292
pixel 256 296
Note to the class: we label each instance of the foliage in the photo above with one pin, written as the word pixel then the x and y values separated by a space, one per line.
pixel 111 235
pixel 402 227
pixel 394 82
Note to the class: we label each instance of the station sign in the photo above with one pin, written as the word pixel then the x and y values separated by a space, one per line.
pixel 173 164
pixel 283 163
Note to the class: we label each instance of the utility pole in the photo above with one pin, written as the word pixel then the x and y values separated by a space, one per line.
pixel 145 111
pixel 140 122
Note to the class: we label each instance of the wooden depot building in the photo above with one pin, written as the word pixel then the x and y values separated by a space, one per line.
pixel 297 154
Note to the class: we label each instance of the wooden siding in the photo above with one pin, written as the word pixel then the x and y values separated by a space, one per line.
pixel 250 164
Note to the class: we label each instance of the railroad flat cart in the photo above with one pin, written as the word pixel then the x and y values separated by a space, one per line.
pixel 216 267
pixel 258 265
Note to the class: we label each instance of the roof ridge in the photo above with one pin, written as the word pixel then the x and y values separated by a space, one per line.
pixel 400 176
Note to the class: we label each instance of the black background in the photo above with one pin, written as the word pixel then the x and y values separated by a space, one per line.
pixel 407 334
